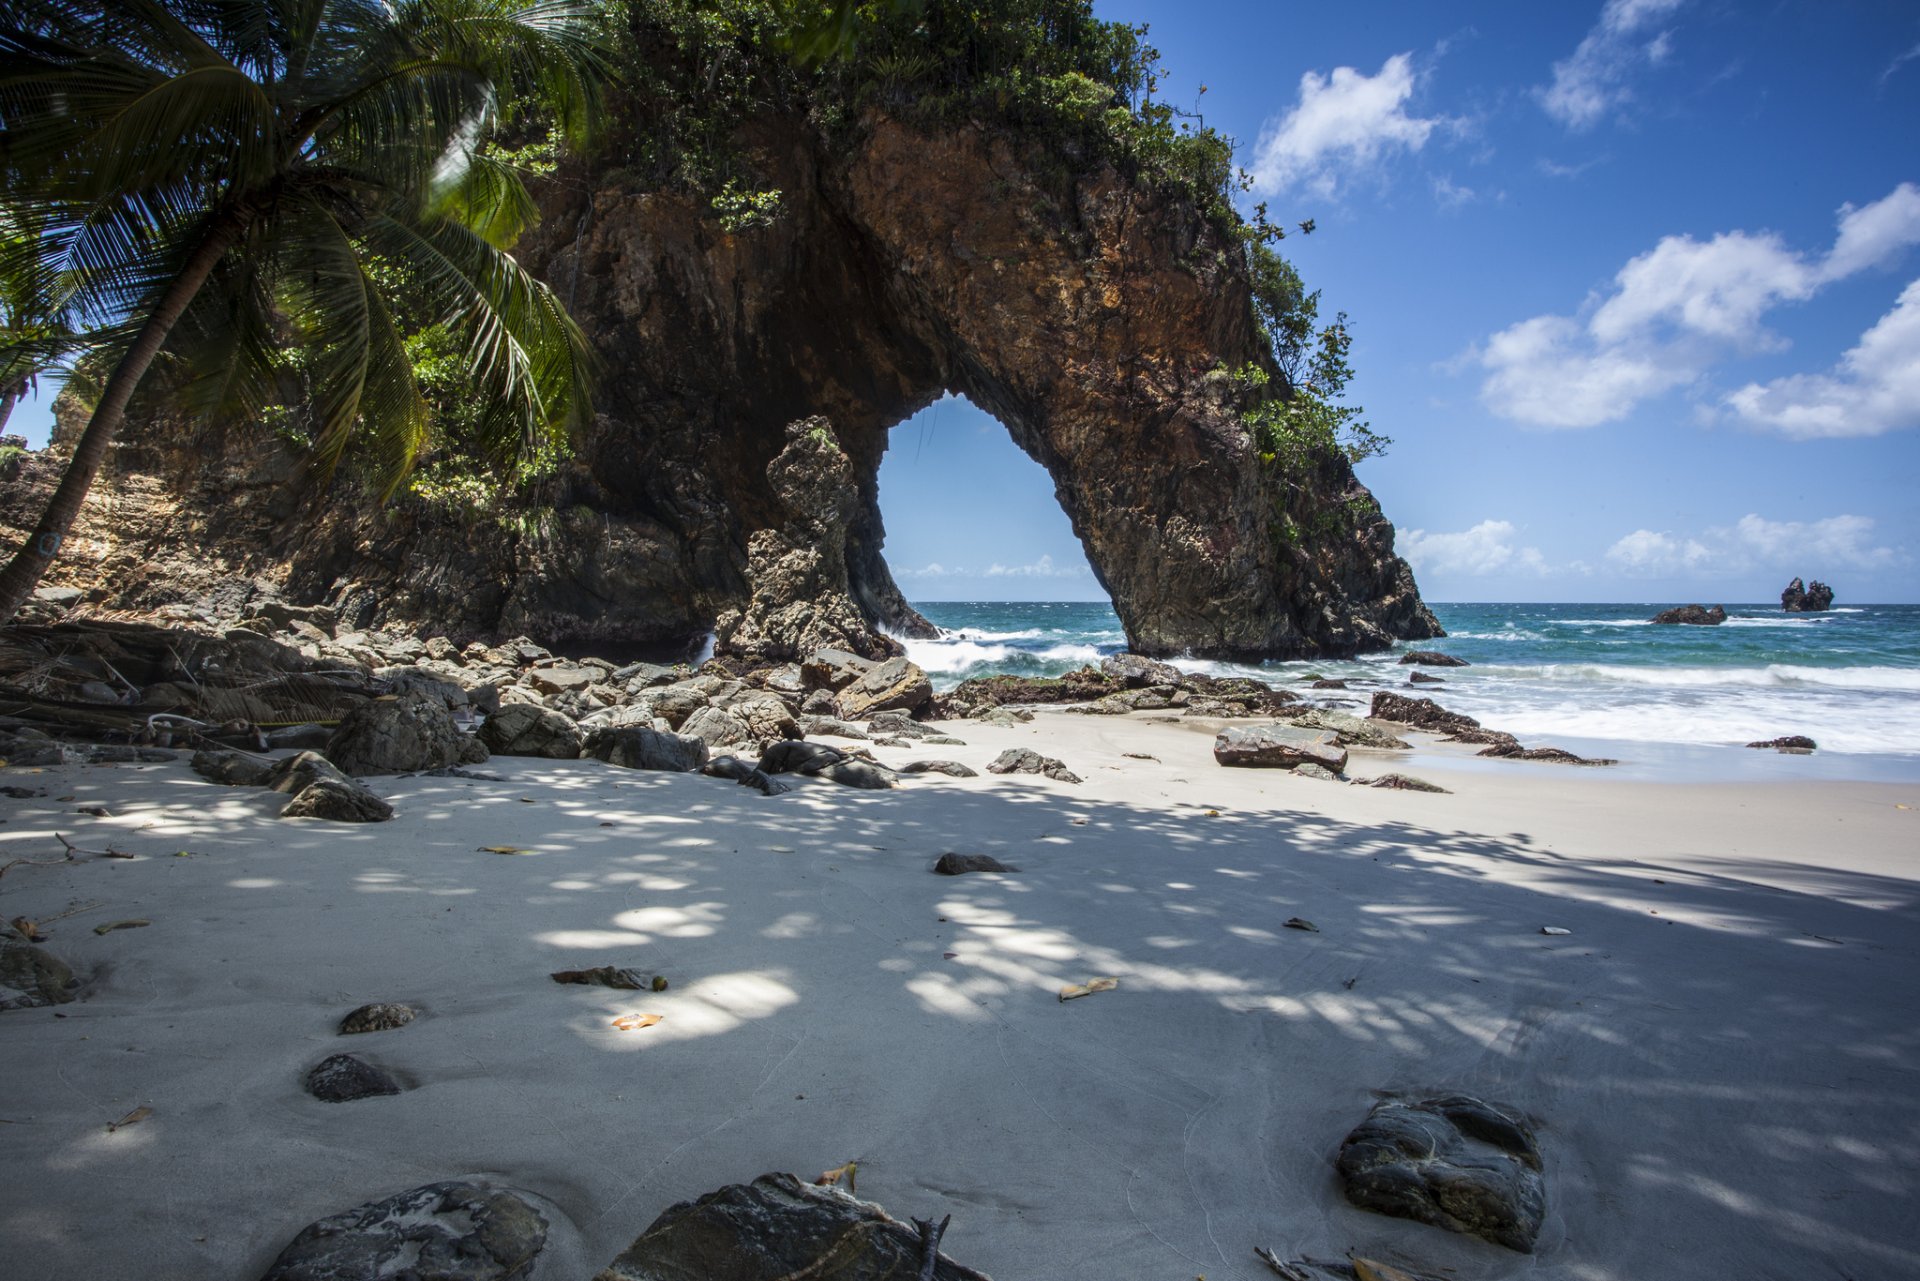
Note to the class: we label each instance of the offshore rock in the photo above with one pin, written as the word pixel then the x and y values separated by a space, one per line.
pixel 1454 1162
pixel 444 1231
pixel 1091 310
pixel 1799 598
pixel 778 1229
pixel 1692 616
pixel 1431 658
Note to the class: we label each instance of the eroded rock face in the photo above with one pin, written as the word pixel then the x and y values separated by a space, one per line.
pixel 778 1229
pixel 1454 1162
pixel 1801 598
pixel 1088 311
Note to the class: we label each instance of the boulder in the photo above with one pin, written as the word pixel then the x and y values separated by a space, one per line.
pixel 1692 616
pixel 778 1228
pixel 524 730
pixel 1421 713
pixel 1351 731
pixel 717 727
pixel 342 1078
pixel 1279 747
pixel 896 683
pixel 638 747
pixel 900 725
pixel 232 769
pixel 766 716
pixel 1421 678
pixel 562 679
pixel 951 864
pixel 1136 672
pixel 834 669
pixel 1455 1162
pixel 1327 682
pixel 32 977
pixel 1407 783
pixel 1021 760
pixel 1799 598
pixel 792 756
pixel 953 769
pixel 382 1016
pixel 338 802
pixel 745 774
pixel 400 735
pixel 454 1231
pixel 858 773
pixel 1432 658
pixel 294 774
pixel 814 726
pixel 682 699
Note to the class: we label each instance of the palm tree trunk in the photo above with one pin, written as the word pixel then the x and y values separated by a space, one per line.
pixel 8 399
pixel 30 563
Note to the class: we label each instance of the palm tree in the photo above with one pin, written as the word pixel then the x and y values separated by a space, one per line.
pixel 218 180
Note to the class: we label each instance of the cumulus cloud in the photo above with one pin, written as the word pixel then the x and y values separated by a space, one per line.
pixel 1592 82
pixel 1343 125
pixel 1487 547
pixel 1874 389
pixel 1685 304
pixel 1753 544
pixel 1042 568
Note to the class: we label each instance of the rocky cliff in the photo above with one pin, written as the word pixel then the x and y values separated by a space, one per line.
pixel 1092 314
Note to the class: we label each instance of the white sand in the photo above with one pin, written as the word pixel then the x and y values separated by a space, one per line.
pixel 1723 1058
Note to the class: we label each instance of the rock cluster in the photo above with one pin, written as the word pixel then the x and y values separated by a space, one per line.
pixel 1122 683
pixel 1692 616
pixel 1804 598
pixel 1425 714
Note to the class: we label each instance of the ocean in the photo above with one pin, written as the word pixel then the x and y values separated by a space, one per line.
pixel 1597 674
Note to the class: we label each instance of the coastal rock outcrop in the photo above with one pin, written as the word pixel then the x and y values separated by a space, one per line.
pixel 1802 598
pixel 1454 1162
pixel 1093 311
pixel 1692 616
pixel 778 1227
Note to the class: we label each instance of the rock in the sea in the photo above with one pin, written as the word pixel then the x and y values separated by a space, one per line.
pixel 953 769
pixel 1421 713
pixel 1136 672
pixel 778 1229
pixel 1279 747
pixel 1799 598
pixel 1407 783
pixel 1326 682
pixel 1454 1162
pixel 1692 616
pixel 401 735
pixel 1022 760
pixel 382 1016
pixel 522 729
pixel 453 1231
pixel 951 864
pixel 638 747
pixel 895 683
pixel 234 769
pixel 1795 743
pixel 342 1078
pixel 1432 658
pixel 1511 750
pixel 1421 678
pixel 337 802
pixel 32 977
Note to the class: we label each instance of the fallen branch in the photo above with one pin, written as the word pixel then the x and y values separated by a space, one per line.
pixel 73 849
pixel 1287 1270
pixel 35 862
pixel 930 1234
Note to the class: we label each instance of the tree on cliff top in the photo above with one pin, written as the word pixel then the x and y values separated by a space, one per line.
pixel 218 179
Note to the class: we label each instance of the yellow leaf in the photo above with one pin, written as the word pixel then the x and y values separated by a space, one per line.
pixel 132 1118
pixel 634 1022
pixel 1897 805
pixel 1368 1270
pixel 120 925
pixel 27 929
pixel 503 849
pixel 830 1177
pixel 1073 990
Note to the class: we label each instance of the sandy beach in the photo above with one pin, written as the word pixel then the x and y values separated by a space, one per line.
pixel 1719 1058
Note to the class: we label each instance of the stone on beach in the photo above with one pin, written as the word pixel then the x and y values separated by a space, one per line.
pixel 639 747
pixel 401 735
pixel 32 977
pixel 1421 713
pixel 382 1016
pixel 1023 760
pixel 452 1231
pixel 951 864
pixel 522 729
pixel 895 683
pixel 953 769
pixel 342 1078
pixel 1279 747
pixel 1430 1161
pixel 1350 730
pixel 338 802
pixel 231 769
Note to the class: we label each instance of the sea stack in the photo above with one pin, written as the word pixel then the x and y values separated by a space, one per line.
pixel 1799 598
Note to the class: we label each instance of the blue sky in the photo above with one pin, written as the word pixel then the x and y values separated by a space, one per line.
pixel 1635 288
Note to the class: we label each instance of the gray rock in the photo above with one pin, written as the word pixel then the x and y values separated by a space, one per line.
pixel 1453 1162
pixel 302 737
pixel 857 773
pixel 401 735
pixel 342 1078
pixel 717 727
pixel 563 679
pixel 521 729
pixel 417 680
pixel 897 724
pixel 1421 678
pixel 1136 672
pixel 638 676
pixel 294 774
pixel 1407 783
pixel 678 701
pixel 232 769
pixel 895 683
pixel 953 769
pixel 337 802
pixel 32 977
pixel 452 1231
pixel 1022 760
pixel 1279 747
pixel 792 756
pixel 1349 730
pixel 817 703
pixel 778 1229
pixel 814 726
pixel 1321 772
pixel 638 747
pixel 382 1016
pixel 951 864
pixel 834 669
pixel 1429 658
pixel 745 774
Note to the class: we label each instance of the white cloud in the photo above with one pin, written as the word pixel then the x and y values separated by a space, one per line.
pixel 1593 81
pixel 1648 551
pixel 1874 389
pixel 933 569
pixel 1899 61
pixel 1452 195
pixel 1753 544
pixel 1343 125
pixel 1042 568
pixel 1487 547
pixel 1677 309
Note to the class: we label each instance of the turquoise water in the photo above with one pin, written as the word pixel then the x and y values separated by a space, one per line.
pixel 1849 678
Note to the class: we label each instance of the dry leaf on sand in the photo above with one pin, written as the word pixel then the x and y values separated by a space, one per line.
pixel 1073 990
pixel 830 1177
pixel 28 929
pixel 134 1117
pixel 503 849
pixel 1368 1270
pixel 111 926
pixel 634 1022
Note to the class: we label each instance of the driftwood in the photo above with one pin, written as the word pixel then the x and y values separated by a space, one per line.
pixel 930 1234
